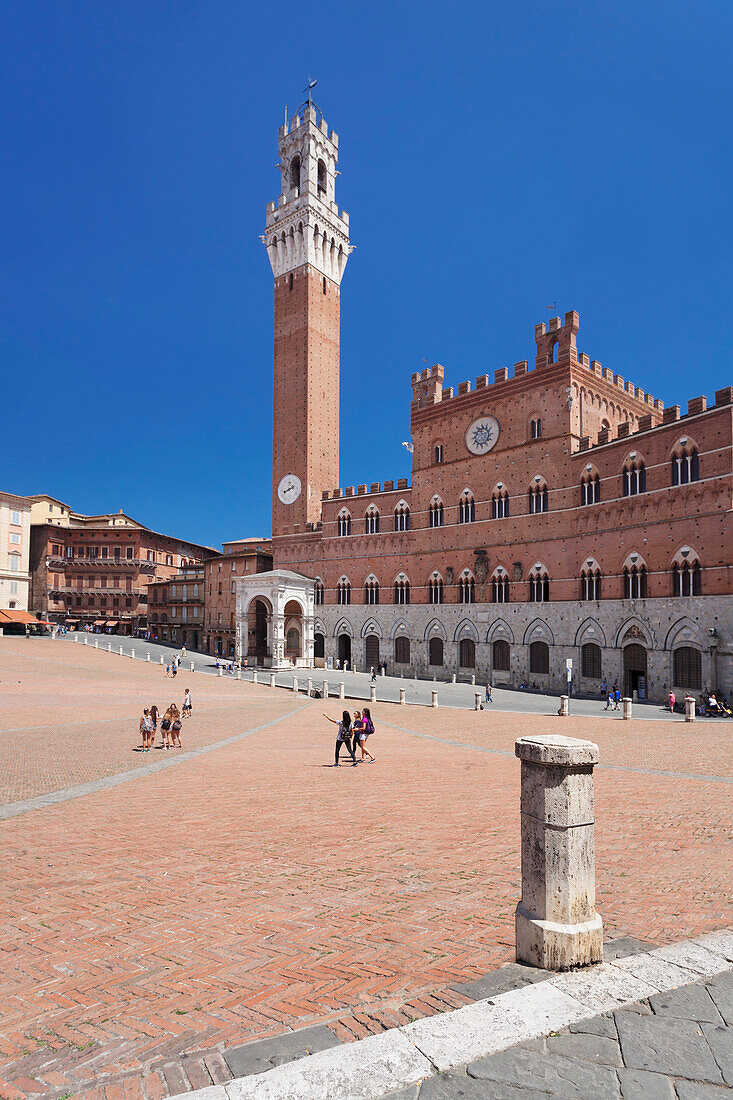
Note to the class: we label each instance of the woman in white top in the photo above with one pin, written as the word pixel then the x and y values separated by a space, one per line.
pixel 343 736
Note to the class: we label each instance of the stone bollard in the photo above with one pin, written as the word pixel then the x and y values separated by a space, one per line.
pixel 161 659
pixel 402 696
pixel 132 654
pixel 453 678
pixel 564 710
pixel 220 671
pixel 341 690
pixel 193 667
pixel 239 674
pixel 434 702
pixel 109 647
pixel 272 679
pixel 75 639
pixel 372 693
pixel 627 709
pixel 473 677
pixel 84 639
pixel 383 671
pixel 96 643
pixel 477 700
pixel 254 676
pixel 557 926
pixel 295 683
pixel 689 710
pixel 309 687
pixel 147 657
pixel 121 651
pixel 324 691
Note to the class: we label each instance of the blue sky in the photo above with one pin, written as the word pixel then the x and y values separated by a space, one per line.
pixel 494 158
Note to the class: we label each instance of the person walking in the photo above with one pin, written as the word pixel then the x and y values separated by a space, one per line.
pixel 187 705
pixel 146 726
pixel 175 726
pixel 604 688
pixel 343 736
pixel 617 698
pixel 374 675
pixel 154 720
pixel 174 668
pixel 367 729
pixel 165 728
pixel 609 700
pixel 168 670
pixel 488 697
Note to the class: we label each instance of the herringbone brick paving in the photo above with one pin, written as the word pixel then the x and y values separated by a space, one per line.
pixel 255 889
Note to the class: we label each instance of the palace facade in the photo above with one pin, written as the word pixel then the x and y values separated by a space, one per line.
pixel 556 511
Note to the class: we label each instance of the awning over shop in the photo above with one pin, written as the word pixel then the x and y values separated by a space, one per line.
pixel 112 622
pixel 22 617
pixel 72 620
pixel 99 622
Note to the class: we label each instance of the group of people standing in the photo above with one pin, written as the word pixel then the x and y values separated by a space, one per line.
pixel 353 733
pixel 170 724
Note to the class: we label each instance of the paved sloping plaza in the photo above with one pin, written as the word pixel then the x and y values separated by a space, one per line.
pixel 162 908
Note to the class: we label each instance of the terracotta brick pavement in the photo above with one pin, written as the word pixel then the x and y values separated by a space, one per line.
pixel 255 888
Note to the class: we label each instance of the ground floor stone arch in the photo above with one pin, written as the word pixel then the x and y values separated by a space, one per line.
pixel 275 619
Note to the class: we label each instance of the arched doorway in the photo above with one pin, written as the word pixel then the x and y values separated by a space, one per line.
pixel 344 650
pixel 293 613
pixel 319 645
pixel 635 675
pixel 258 619
pixel 371 651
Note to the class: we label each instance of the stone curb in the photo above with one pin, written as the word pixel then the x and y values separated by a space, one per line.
pixel 381 1064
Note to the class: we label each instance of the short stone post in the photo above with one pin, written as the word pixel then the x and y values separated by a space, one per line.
pixel 341 690
pixel 132 654
pixel 220 671
pixel 325 689
pixel 627 709
pixel 689 710
pixel 161 659
pixel 564 710
pixel 239 674
pixel 254 676
pixel 477 700
pixel 96 643
pixel 295 683
pixel 473 677
pixel 84 639
pixel 272 679
pixel 75 639
pixel 402 696
pixel 557 926
pixel 372 693
pixel 109 647
pixel 434 702
pixel 453 678
pixel 309 687
pixel 193 667
pixel 121 651
pixel 147 658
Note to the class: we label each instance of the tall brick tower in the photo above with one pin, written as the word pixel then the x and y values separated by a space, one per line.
pixel 307 240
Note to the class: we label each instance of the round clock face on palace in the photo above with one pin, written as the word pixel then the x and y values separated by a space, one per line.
pixel 289 489
pixel 482 435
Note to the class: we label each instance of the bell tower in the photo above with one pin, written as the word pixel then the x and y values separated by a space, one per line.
pixel 307 241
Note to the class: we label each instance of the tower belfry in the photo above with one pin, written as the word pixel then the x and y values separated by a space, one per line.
pixel 307 240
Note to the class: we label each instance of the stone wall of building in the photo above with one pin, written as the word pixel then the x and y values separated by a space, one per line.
pixel 660 626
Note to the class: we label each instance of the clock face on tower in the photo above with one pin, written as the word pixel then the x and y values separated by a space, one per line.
pixel 289 489
pixel 482 435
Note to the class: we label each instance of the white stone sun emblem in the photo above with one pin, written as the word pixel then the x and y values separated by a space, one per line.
pixel 482 435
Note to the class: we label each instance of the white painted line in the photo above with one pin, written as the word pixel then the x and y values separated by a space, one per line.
pixel 381 1064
